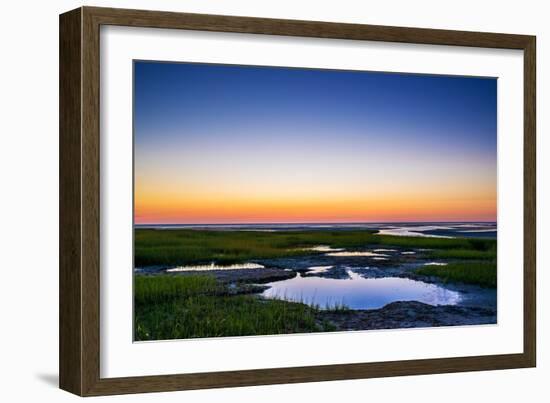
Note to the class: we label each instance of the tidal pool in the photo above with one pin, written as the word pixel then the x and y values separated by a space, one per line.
pixel 358 292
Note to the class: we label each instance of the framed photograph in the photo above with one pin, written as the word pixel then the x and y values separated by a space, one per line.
pixel 249 201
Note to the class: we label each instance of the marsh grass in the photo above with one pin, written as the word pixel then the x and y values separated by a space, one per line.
pixel 158 289
pixel 464 254
pixel 180 247
pixel 329 306
pixel 172 307
pixel 176 307
pixel 480 273
pixel 156 247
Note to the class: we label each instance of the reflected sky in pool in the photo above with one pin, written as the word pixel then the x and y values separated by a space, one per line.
pixel 357 292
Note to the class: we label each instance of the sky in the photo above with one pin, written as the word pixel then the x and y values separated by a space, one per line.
pixel 244 144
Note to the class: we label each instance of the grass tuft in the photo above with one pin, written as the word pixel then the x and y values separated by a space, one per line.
pixel 480 273
pixel 171 307
pixel 158 289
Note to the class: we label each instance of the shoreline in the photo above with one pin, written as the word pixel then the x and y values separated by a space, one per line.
pixel 477 307
pixel 323 254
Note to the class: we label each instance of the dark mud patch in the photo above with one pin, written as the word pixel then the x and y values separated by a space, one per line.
pixel 407 314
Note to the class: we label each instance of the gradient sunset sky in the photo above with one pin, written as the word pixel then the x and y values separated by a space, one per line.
pixel 241 144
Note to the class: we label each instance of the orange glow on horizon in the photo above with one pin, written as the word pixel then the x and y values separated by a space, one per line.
pixel 152 209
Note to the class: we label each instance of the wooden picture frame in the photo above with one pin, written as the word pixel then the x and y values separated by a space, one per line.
pixel 79 279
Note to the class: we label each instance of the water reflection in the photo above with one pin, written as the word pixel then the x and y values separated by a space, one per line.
pixel 357 292
pixel 350 254
pixel 213 267
pixel 319 269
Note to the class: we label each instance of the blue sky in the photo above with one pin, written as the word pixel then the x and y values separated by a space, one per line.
pixel 197 123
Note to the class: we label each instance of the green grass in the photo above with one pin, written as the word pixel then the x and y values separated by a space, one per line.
pixel 154 247
pixel 480 273
pixel 172 307
pixel 477 249
pixel 464 254
pixel 159 289
pixel 179 247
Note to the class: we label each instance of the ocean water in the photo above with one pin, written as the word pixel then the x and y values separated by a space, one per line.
pixel 419 229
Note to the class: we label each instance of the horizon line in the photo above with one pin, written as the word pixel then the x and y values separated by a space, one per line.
pixel 320 222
